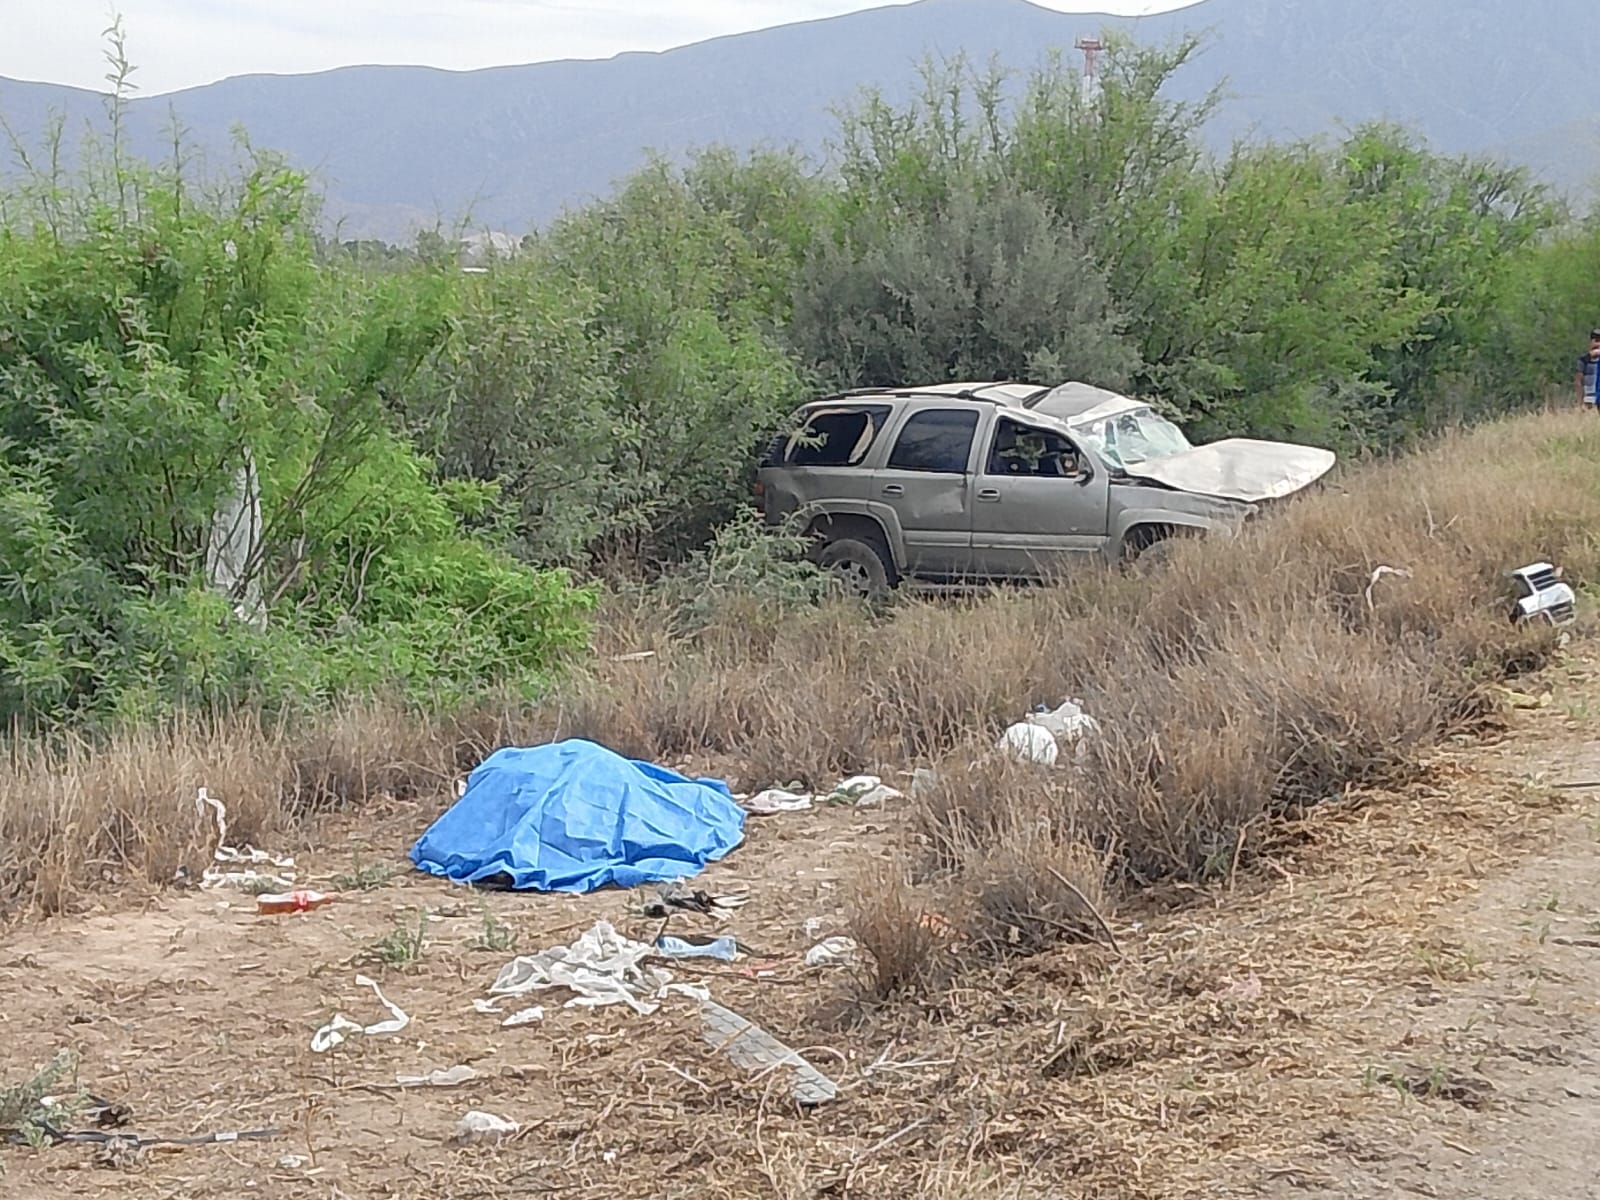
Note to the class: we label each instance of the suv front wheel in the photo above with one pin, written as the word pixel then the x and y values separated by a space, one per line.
pixel 858 566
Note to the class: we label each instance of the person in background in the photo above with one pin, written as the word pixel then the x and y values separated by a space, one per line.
pixel 1589 371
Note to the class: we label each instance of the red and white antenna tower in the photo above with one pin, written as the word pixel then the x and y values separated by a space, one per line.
pixel 1091 48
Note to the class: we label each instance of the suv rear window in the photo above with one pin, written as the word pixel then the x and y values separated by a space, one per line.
pixel 831 437
pixel 937 440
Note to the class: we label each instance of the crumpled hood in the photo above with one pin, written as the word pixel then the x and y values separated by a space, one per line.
pixel 1240 469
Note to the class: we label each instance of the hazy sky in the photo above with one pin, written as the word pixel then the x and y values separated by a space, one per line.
pixel 180 43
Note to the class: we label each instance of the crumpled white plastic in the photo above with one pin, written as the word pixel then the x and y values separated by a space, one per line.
pixel 1031 743
pixel 1039 737
pixel 454 1077
pixel 831 952
pixel 864 791
pixel 600 968
pixel 774 801
pixel 335 1031
pixel 478 1127
pixel 1068 723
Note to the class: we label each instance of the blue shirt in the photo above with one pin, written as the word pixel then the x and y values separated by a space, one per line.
pixel 1589 369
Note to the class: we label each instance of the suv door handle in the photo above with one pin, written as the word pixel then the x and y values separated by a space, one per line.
pixel 894 489
pixel 989 494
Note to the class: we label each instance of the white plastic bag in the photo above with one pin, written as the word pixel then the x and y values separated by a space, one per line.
pixel 1030 743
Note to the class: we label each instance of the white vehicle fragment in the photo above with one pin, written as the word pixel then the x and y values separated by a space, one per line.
pixel 1543 595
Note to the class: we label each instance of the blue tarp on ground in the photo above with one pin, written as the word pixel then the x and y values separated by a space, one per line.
pixel 573 816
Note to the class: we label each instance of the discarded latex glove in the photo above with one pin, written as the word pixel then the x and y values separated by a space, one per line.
pixel 725 949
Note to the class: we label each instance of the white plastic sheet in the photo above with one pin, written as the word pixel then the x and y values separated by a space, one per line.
pixel 232 548
pixel 601 968
pixel 1030 743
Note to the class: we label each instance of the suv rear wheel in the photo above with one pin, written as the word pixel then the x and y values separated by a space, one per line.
pixel 859 566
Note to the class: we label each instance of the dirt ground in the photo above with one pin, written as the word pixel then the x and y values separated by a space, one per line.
pixel 1398 996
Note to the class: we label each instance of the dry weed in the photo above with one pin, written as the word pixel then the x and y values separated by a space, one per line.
pixel 903 939
pixel 1248 677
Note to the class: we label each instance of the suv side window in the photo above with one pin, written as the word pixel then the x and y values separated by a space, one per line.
pixel 1027 451
pixel 836 437
pixel 937 440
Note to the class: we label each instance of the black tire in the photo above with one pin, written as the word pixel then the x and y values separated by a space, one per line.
pixel 860 567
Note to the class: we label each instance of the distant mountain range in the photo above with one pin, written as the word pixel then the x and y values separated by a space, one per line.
pixel 399 147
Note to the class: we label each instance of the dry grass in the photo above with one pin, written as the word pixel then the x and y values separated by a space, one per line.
pixel 81 814
pixel 1248 680
pixel 898 931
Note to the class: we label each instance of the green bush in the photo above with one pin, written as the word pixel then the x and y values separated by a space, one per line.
pixel 159 339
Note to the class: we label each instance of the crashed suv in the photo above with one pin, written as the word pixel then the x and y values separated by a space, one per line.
pixel 955 484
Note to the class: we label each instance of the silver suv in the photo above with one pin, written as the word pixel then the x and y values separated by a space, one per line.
pixel 954 484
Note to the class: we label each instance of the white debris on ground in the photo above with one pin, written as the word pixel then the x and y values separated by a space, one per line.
pixel 528 1016
pixel 774 801
pixel 281 877
pixel 859 791
pixel 335 1031
pixel 724 949
pixel 831 952
pixel 1030 743
pixel 754 1049
pixel 1544 595
pixel 454 1077
pixel 478 1128
pixel 1040 737
pixel 1379 576
pixel 601 968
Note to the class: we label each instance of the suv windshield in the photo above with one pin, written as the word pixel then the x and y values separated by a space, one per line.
pixel 1130 438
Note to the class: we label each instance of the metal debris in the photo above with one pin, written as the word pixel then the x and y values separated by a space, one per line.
pixel 753 1048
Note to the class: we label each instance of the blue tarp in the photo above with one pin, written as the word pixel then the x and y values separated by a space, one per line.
pixel 573 816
